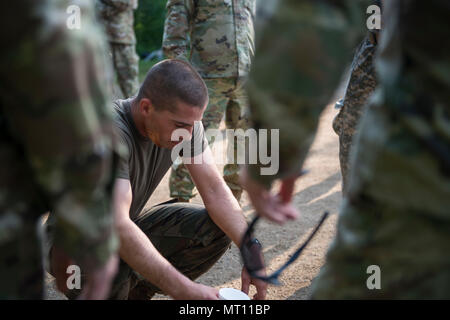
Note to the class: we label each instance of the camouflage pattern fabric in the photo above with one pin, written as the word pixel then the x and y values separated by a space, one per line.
pixel 360 87
pixel 225 97
pixel 396 213
pixel 217 38
pixel 126 64
pixel 283 89
pixel 184 234
pixel 117 18
pixel 217 35
pixel 56 142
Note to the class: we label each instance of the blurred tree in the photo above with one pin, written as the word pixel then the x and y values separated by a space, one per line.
pixel 149 25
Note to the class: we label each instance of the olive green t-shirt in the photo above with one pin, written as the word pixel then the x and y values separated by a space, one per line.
pixel 146 163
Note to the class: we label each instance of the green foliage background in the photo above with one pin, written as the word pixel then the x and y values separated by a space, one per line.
pixel 149 25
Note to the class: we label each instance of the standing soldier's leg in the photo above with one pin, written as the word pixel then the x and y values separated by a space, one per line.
pixel 180 182
pixel 126 64
pixel 236 118
pixel 360 87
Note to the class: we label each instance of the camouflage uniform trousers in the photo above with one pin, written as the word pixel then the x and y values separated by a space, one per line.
pixel 184 234
pixel 396 216
pixel 226 96
pixel 360 87
pixel 126 65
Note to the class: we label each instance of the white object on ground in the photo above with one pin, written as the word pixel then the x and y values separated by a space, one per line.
pixel 232 294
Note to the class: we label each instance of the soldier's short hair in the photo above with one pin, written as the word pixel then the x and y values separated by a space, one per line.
pixel 171 81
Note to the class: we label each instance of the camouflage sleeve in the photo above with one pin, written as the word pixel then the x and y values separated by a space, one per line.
pixel 121 5
pixel 65 130
pixel 300 58
pixel 176 29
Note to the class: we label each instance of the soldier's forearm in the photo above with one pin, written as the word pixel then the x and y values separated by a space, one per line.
pixel 222 207
pixel 139 253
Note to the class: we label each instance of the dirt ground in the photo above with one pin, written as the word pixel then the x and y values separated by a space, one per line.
pixel 316 192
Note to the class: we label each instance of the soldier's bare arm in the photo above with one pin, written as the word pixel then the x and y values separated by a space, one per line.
pixel 139 253
pixel 223 208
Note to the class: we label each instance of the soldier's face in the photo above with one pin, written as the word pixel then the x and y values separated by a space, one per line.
pixel 160 124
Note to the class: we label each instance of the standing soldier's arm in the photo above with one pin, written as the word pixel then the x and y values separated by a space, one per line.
pixel 301 56
pixel 300 59
pixel 176 29
pixel 63 128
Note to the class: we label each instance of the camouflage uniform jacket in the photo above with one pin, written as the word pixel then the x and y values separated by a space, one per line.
pixel 217 35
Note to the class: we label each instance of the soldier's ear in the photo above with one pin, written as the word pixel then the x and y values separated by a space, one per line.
pixel 146 107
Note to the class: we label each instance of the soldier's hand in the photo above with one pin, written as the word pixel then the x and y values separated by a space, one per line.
pixel 98 282
pixel 60 261
pixel 261 286
pixel 197 291
pixel 275 207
